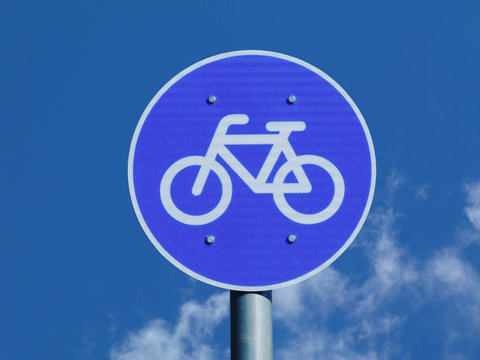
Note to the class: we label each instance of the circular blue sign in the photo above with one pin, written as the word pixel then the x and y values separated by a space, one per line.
pixel 251 170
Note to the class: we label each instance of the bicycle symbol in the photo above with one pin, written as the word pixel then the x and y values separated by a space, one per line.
pixel 280 144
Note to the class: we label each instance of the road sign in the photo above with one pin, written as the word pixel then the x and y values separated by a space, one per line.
pixel 251 170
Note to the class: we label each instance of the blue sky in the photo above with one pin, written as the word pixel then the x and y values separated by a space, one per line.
pixel 79 278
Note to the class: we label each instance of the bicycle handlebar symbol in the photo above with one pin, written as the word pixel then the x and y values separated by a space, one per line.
pixel 281 130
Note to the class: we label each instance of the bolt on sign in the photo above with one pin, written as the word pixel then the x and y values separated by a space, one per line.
pixel 251 170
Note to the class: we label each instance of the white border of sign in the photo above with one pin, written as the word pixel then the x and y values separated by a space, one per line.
pixel 196 66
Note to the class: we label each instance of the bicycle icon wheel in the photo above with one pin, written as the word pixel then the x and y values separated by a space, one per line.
pixel 174 211
pixel 330 210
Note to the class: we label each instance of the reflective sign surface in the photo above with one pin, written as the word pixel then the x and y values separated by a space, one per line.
pixel 251 170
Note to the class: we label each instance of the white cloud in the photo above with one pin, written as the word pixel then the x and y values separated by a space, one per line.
pixel 325 345
pixel 455 283
pixel 452 278
pixel 473 204
pixel 186 340
pixel 320 294
pixel 394 180
pixel 393 269
pixel 421 192
pixel 360 337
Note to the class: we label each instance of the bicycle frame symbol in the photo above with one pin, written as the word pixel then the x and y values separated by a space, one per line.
pixel 281 131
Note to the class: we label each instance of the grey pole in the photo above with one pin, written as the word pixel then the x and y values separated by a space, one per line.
pixel 251 325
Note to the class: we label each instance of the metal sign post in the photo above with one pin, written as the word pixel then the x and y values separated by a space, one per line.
pixel 251 325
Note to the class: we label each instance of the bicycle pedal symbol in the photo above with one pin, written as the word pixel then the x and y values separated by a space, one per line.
pixel 278 138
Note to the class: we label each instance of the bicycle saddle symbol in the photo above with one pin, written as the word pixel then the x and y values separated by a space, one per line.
pixel 278 138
